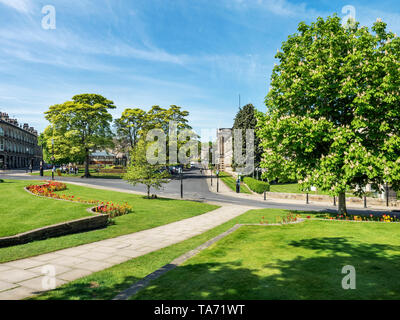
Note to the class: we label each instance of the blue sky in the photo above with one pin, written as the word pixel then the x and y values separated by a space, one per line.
pixel 198 54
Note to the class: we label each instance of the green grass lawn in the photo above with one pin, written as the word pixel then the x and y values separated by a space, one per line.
pixel 295 188
pixel 302 261
pixel 292 188
pixel 231 182
pixel 93 173
pixel 21 211
pixel 27 212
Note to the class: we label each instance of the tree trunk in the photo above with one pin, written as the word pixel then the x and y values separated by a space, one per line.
pixel 148 192
pixel 342 203
pixel 87 160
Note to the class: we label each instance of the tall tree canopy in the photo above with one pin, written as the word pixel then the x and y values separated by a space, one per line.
pixel 129 126
pixel 333 109
pixel 135 123
pixel 80 127
pixel 246 119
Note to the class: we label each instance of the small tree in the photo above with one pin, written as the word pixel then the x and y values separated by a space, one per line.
pixel 141 171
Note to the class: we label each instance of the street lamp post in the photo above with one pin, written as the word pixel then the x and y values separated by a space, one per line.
pixel 181 175
pixel 52 159
pixel 238 184
pixel 387 194
pixel 212 169
pixel 217 180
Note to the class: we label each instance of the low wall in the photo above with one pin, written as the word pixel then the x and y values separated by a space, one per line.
pixel 324 198
pixel 56 230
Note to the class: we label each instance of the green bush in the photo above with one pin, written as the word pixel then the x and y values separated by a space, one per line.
pixel 256 185
pixel 1 181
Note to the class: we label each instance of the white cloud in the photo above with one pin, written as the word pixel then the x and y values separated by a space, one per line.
pixel 23 6
pixel 283 8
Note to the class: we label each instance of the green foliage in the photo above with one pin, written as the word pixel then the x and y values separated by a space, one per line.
pixel 135 123
pixel 129 126
pixel 79 127
pixel 141 171
pixel 332 115
pixel 246 119
pixel 256 185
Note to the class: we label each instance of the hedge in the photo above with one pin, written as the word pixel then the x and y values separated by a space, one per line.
pixel 256 185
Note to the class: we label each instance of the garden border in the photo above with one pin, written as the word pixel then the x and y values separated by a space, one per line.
pixel 97 221
pixel 74 226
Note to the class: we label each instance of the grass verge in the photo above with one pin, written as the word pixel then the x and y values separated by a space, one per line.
pixel 230 182
pixel 147 213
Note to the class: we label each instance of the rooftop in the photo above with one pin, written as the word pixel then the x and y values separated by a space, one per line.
pixel 5 117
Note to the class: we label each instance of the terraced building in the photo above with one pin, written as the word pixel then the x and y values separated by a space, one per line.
pixel 18 144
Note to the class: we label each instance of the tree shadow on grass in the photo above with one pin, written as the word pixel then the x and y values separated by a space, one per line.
pixel 89 288
pixel 317 276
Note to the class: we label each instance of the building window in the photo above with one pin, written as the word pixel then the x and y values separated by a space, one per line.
pixel 1 144
pixel 1 132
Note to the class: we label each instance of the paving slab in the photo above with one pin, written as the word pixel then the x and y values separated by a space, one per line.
pixel 93 265
pixel 25 264
pixel 74 274
pixel 16 294
pixel 16 275
pixel 57 269
pixel 7 285
pixel 41 284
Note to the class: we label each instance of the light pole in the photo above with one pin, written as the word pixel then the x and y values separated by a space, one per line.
pixel 52 159
pixel 217 181
pixel 181 175
pixel 238 184
pixel 212 169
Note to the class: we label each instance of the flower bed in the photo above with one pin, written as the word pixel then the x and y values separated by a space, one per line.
pixel 289 218
pixel 371 217
pixel 50 188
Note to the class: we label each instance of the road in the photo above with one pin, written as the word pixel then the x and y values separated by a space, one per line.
pixel 195 188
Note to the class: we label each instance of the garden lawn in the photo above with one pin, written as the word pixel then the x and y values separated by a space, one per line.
pixel 295 188
pixel 147 213
pixel 106 284
pixel 302 261
pixel 231 182
pixel 20 211
pixel 93 173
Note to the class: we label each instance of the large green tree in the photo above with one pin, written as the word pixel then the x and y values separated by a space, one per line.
pixel 333 108
pixel 246 119
pixel 134 124
pixel 129 126
pixel 80 127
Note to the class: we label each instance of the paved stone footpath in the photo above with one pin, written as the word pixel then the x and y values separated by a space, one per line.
pixel 23 278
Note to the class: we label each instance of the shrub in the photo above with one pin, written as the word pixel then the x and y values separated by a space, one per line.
pixel 1 180
pixel 256 185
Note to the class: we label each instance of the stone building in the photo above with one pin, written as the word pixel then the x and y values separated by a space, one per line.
pixel 224 154
pixel 18 144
